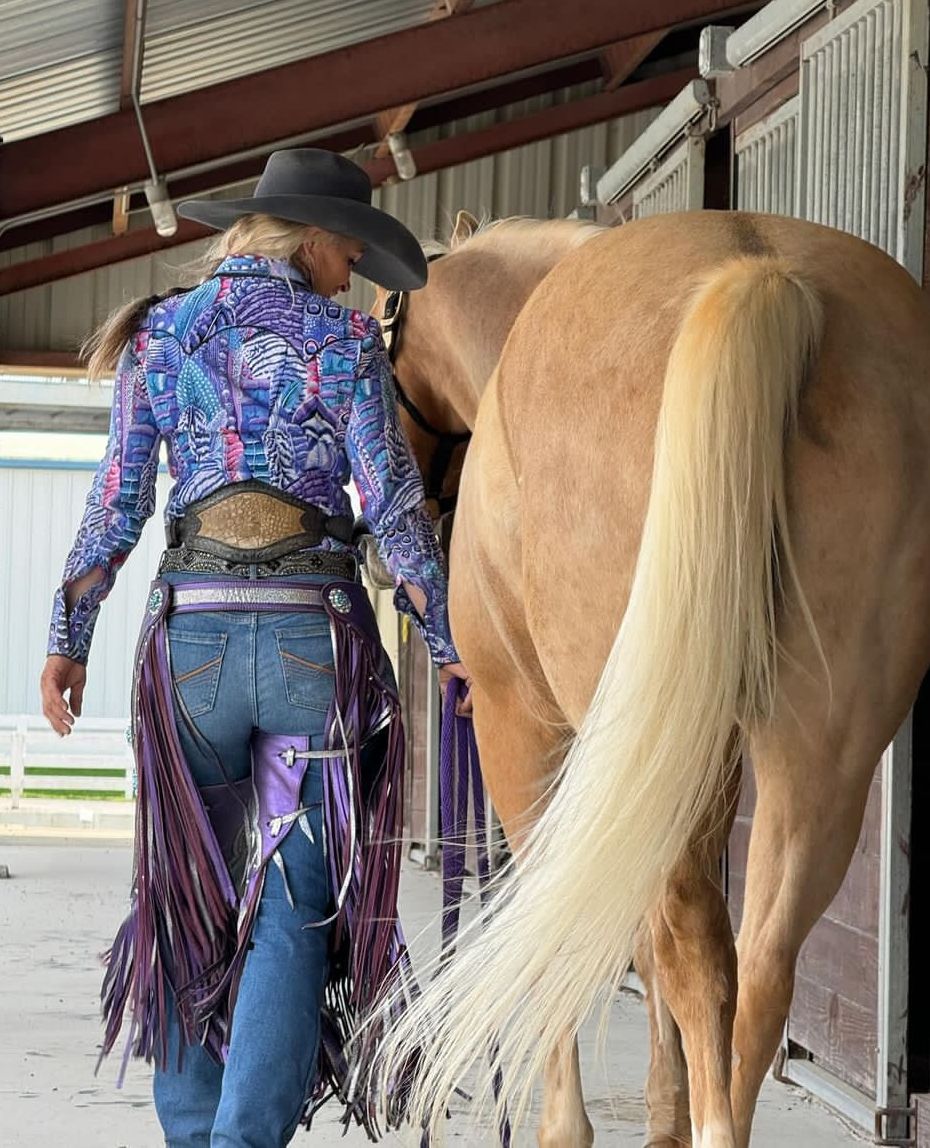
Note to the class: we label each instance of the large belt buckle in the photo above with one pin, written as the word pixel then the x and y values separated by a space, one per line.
pixel 251 521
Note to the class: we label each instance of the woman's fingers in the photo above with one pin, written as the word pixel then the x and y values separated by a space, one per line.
pixel 76 698
pixel 57 713
pixel 60 674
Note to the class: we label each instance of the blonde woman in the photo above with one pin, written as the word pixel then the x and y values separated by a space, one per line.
pixel 265 719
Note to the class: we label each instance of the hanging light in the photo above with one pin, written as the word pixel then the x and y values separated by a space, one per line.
pixel 161 207
pixel 403 157
pixel 156 190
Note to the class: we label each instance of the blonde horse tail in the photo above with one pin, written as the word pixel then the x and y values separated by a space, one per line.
pixel 692 669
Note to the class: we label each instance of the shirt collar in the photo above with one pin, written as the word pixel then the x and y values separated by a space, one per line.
pixel 260 265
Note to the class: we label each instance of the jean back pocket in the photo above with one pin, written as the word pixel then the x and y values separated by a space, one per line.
pixel 196 662
pixel 306 656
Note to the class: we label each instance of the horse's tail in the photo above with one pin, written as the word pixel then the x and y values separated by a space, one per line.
pixel 691 670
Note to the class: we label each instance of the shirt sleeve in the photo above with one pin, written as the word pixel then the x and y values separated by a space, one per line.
pixel 391 493
pixel 121 498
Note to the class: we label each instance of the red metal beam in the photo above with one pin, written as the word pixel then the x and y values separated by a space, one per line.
pixel 396 119
pixel 220 176
pixel 459 107
pixel 511 92
pixel 621 60
pixel 429 157
pixel 101 253
pixel 50 361
pixel 541 125
pixel 334 88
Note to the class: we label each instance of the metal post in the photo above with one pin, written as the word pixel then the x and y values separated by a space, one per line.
pixel 894 935
pixel 433 725
pixel 18 762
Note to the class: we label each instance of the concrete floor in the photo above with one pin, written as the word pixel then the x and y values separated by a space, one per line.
pixel 60 908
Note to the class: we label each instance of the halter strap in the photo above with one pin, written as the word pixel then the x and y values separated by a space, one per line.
pixel 391 326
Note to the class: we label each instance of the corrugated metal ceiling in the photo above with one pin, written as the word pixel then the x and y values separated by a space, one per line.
pixel 60 60
pixel 191 45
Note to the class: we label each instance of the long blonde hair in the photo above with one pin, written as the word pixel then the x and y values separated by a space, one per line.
pixel 251 235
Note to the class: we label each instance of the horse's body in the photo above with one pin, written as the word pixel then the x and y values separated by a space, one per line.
pixel 761 533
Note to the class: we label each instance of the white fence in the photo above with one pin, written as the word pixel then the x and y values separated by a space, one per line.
pixel 96 758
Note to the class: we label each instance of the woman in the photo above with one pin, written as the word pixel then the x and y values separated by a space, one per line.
pixel 265 719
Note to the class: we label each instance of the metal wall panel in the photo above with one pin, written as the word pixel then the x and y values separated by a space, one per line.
pixel 677 184
pixel 862 158
pixel 40 508
pixel 766 163
pixel 863 125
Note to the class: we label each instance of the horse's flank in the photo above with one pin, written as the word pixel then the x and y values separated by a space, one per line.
pixel 664 431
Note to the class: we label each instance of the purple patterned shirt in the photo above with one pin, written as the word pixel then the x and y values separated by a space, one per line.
pixel 253 376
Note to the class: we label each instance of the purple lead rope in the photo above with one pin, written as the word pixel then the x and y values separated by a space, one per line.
pixel 459 773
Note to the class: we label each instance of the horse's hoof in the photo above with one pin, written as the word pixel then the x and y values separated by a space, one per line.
pixel 667 1142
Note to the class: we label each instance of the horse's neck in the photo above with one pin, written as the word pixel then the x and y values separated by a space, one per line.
pixel 488 283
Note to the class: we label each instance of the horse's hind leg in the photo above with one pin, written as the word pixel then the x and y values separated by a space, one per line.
pixel 564 1122
pixel 519 754
pixel 695 959
pixel 668 1120
pixel 806 824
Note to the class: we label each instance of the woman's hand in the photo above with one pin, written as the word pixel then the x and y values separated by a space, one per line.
pixel 62 675
pixel 456 670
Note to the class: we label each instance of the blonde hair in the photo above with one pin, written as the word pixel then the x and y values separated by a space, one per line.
pixel 251 235
pixel 257 235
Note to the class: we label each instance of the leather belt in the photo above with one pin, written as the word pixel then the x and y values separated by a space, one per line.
pixel 252 522
pixel 245 597
pixel 183 560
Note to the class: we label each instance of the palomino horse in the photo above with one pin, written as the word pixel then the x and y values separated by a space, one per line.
pixel 694 520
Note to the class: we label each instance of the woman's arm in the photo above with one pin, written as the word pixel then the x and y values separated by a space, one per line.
pixel 391 492
pixel 121 498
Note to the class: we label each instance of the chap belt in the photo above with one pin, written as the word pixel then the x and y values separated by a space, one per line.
pixel 253 522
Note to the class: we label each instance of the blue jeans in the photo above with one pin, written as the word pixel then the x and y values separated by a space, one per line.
pixel 235 673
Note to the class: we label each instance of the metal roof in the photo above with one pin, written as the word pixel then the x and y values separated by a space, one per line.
pixel 192 45
pixel 61 60
pixel 538 179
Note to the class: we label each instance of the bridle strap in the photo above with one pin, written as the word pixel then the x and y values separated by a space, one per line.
pixel 391 326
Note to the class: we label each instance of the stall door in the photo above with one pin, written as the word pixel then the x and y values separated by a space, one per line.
pixel 676 184
pixel 849 152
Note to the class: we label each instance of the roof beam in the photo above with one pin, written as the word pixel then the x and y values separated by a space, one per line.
pixel 621 60
pixel 73 407
pixel 428 157
pixel 100 253
pixel 529 129
pixel 459 107
pixel 396 119
pixel 45 362
pixel 349 84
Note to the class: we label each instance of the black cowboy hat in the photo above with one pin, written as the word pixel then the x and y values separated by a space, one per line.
pixel 323 189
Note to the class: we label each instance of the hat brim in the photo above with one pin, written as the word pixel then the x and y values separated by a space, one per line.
pixel 392 258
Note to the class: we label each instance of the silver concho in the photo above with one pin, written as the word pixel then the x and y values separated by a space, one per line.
pixel 156 598
pixel 340 601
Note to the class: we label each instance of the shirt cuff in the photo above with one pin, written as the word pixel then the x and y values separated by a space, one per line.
pixel 70 634
pixel 434 629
